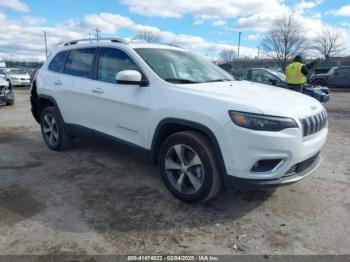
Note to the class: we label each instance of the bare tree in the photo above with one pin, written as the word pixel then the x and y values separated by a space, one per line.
pixel 149 36
pixel 328 43
pixel 227 55
pixel 284 39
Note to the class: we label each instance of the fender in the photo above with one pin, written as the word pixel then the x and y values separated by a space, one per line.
pixel 194 126
pixel 52 100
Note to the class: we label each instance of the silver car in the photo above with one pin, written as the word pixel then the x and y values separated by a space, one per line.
pixel 16 77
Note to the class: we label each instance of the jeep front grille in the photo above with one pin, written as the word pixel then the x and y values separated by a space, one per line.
pixel 313 124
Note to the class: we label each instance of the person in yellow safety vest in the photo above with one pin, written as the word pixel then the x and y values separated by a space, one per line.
pixel 296 74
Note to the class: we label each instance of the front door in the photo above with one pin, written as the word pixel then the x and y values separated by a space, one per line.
pixel 119 110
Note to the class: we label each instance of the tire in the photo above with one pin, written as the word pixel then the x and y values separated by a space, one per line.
pixel 53 131
pixel 191 184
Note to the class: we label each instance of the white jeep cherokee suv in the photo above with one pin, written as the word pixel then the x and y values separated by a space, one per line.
pixel 202 127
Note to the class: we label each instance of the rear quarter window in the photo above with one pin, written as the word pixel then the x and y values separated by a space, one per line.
pixel 56 64
pixel 343 70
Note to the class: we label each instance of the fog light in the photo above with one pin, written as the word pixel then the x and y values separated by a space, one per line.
pixel 266 165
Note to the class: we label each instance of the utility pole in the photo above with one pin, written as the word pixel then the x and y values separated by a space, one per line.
pixel 239 43
pixel 97 33
pixel 45 43
pixel 258 51
pixel 233 40
pixel 90 37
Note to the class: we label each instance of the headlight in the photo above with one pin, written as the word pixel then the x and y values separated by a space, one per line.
pixel 261 122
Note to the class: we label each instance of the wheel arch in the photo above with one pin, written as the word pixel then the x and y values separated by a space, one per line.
pixel 44 101
pixel 169 126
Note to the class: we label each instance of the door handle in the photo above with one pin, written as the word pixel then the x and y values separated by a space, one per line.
pixel 57 83
pixel 97 90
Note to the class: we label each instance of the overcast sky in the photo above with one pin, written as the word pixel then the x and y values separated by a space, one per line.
pixel 205 26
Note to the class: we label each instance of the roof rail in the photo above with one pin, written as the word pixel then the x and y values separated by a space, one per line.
pixel 113 40
pixel 173 45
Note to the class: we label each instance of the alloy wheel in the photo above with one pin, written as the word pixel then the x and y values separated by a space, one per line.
pixel 184 169
pixel 50 129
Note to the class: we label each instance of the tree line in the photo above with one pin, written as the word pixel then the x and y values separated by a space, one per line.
pixel 286 37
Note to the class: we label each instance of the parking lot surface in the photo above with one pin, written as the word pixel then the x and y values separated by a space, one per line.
pixel 99 198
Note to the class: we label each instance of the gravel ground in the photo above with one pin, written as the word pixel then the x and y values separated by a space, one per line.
pixel 102 199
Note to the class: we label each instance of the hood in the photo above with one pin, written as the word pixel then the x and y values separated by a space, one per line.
pixel 322 75
pixel 260 98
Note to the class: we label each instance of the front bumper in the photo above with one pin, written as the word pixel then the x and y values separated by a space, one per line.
pixel 318 94
pixel 245 183
pixel 243 148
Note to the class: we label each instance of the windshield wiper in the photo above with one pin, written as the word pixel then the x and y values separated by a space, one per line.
pixel 181 81
pixel 216 80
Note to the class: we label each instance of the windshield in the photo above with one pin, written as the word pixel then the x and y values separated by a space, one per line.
pixel 16 72
pixel 178 66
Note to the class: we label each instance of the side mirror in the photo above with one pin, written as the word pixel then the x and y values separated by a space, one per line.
pixel 129 77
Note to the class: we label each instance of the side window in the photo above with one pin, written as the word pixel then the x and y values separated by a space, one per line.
pixel 257 76
pixel 79 62
pixel 261 77
pixel 343 71
pixel 112 61
pixel 57 63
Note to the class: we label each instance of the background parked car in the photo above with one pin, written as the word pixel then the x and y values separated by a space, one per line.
pixel 335 77
pixel 6 93
pixel 32 75
pixel 16 77
pixel 276 78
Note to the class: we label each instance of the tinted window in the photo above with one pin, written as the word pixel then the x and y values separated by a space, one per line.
pixel 261 77
pixel 179 66
pixel 79 62
pixel 112 61
pixel 343 70
pixel 57 62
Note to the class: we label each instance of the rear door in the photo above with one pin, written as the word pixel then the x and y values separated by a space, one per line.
pixel 347 78
pixel 119 110
pixel 75 93
pixel 344 76
pixel 53 83
pixel 340 77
